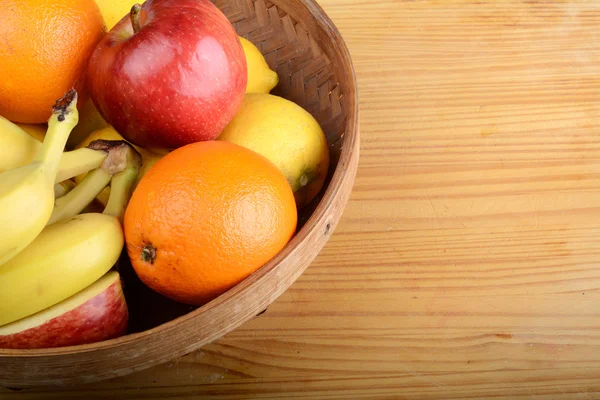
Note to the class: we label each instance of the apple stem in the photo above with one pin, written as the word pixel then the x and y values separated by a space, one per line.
pixel 134 14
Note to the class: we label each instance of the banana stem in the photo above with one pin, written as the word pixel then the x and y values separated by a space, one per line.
pixel 80 161
pixel 83 194
pixel 62 121
pixel 62 188
pixel 121 188
pixel 121 158
pixel 122 184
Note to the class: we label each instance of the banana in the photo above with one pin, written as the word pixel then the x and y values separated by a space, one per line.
pixel 120 155
pixel 62 188
pixel 64 259
pixel 67 256
pixel 19 149
pixel 27 192
pixel 79 198
pixel 122 185
pixel 80 161
pixel 109 133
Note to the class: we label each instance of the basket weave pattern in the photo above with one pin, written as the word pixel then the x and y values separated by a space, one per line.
pixel 306 74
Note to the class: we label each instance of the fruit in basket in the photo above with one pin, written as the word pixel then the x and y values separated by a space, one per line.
pixel 19 149
pixel 27 192
pixel 149 158
pixel 261 78
pixel 120 156
pixel 90 120
pixel 205 217
pixel 288 136
pixel 98 312
pixel 69 255
pixel 172 74
pixel 63 188
pixel 114 10
pixel 36 131
pixel 44 51
pixel 64 259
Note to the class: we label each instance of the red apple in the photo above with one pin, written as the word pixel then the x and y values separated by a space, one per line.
pixel 171 74
pixel 96 313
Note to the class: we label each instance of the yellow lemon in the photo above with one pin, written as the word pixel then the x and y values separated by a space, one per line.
pixel 114 10
pixel 109 133
pixel 288 136
pixel 261 79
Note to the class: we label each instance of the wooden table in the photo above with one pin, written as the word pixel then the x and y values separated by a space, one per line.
pixel 467 264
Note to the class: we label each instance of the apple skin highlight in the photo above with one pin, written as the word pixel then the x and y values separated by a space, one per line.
pixel 177 79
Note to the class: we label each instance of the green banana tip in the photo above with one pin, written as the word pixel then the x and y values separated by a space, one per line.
pixel 65 105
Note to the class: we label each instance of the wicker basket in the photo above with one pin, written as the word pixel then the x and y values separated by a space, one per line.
pixel 301 43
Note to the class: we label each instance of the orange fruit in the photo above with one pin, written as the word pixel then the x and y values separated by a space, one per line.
pixel 44 49
pixel 205 217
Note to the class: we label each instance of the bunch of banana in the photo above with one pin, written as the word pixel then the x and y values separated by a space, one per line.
pixel 27 192
pixel 118 154
pixel 19 149
pixel 48 250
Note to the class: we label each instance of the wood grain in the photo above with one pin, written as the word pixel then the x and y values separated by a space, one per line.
pixel 467 263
